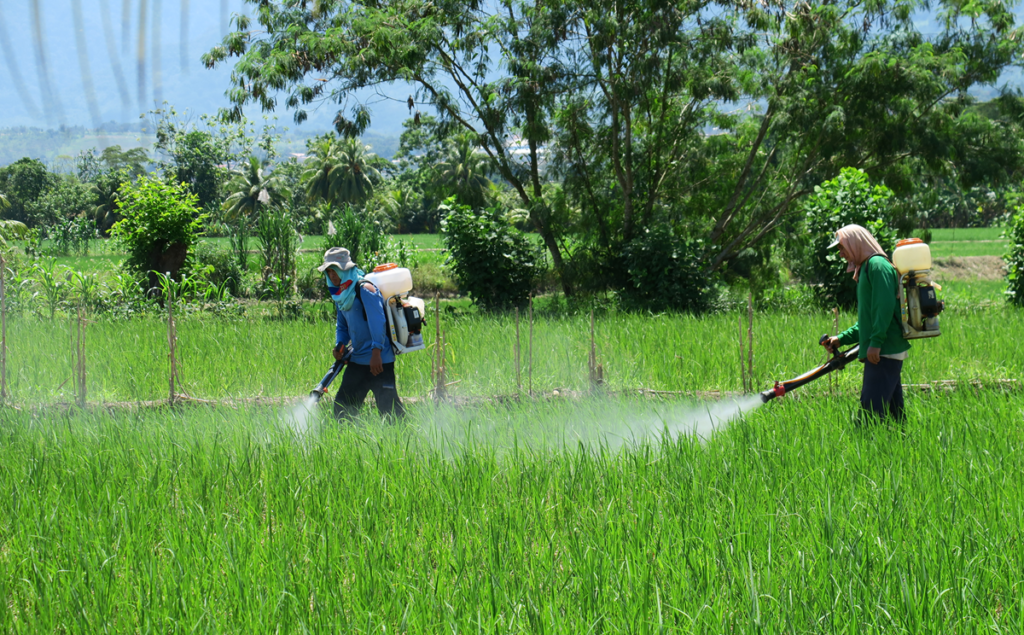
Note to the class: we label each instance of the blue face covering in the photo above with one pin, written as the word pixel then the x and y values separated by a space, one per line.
pixel 344 295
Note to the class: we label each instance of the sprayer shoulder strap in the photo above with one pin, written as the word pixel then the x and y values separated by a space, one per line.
pixel 359 285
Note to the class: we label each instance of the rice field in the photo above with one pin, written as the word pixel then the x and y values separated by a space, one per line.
pixel 647 505
pixel 605 515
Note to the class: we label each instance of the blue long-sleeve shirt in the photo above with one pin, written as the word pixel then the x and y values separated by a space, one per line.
pixel 365 334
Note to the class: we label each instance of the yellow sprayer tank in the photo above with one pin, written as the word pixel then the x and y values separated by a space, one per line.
pixel 912 254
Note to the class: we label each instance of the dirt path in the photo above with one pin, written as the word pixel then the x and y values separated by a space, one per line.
pixel 969 268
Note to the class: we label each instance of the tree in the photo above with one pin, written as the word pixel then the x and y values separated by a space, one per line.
pixel 451 53
pixel 462 173
pixel 340 171
pixel 160 225
pixel 22 183
pixel 623 95
pixel 251 187
pixel 11 229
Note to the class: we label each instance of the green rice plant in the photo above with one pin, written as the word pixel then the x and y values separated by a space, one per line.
pixel 605 515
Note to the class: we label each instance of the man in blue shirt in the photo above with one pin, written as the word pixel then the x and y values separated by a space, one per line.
pixel 363 327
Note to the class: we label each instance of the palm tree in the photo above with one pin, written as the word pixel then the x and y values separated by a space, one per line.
pixel 252 187
pixel 105 189
pixel 4 203
pixel 463 172
pixel 340 172
pixel 11 229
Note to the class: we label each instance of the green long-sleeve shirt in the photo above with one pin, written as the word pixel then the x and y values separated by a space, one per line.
pixel 878 311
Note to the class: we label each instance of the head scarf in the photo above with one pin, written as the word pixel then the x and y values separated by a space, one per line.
pixel 860 245
pixel 344 295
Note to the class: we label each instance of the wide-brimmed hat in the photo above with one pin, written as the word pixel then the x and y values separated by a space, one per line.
pixel 337 257
pixel 834 243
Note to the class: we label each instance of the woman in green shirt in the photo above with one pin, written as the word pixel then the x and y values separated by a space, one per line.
pixel 878 329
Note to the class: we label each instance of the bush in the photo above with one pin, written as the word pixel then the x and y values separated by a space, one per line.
pixel 367 242
pixel 847 199
pixel 493 262
pixel 161 224
pixel 666 272
pixel 220 265
pixel 1015 260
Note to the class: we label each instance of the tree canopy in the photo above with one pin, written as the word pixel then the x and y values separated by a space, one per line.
pixel 710 116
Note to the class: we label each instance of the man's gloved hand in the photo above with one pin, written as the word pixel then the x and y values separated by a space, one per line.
pixel 339 352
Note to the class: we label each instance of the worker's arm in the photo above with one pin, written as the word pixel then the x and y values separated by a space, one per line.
pixel 883 300
pixel 374 304
pixel 850 335
pixel 342 336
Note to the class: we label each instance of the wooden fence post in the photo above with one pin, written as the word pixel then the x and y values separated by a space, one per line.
pixel 530 354
pixel 519 380
pixel 172 338
pixel 3 330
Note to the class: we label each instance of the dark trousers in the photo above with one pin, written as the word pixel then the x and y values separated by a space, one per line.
pixel 357 381
pixel 881 395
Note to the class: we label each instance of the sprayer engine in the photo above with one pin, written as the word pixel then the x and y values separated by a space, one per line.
pixel 919 305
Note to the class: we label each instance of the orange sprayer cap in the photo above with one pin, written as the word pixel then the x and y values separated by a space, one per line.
pixel 908 241
pixel 385 267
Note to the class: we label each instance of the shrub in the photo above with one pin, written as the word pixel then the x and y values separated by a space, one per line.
pixel 665 272
pixel 493 262
pixel 367 242
pixel 220 265
pixel 847 199
pixel 161 224
pixel 1015 260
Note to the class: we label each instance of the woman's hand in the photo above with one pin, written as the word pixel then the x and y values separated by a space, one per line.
pixel 874 354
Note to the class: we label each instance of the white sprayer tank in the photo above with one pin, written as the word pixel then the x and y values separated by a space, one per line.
pixel 391 279
pixel 912 254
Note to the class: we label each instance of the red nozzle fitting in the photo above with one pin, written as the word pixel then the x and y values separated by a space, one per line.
pixel 780 389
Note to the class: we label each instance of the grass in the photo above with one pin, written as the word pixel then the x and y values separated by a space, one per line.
pixel 505 519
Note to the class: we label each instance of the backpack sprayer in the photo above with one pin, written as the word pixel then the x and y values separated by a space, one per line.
pixel 404 315
pixel 919 312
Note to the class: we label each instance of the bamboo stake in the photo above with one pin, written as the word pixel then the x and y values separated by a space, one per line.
pixel 171 340
pixel 530 378
pixel 596 371
pixel 750 342
pixel 519 379
pixel 835 330
pixel 3 330
pixel 743 367
pixel 80 349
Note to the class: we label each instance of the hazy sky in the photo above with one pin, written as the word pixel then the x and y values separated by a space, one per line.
pixel 83 62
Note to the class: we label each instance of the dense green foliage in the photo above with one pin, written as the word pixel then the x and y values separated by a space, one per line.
pixel 160 225
pixel 1015 260
pixel 615 99
pixel 848 199
pixel 494 263
pixel 664 272
pixel 22 183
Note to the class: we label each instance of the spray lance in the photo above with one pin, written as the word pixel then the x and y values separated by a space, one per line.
pixel 332 372
pixel 838 361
